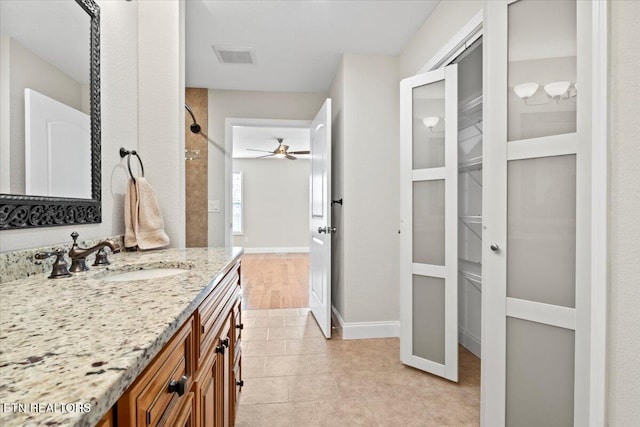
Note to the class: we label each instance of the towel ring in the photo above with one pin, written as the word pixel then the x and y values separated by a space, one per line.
pixel 123 153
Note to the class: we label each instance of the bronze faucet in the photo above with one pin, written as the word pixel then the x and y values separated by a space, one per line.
pixel 59 266
pixel 79 255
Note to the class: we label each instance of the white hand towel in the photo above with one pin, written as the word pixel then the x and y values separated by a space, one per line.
pixel 144 226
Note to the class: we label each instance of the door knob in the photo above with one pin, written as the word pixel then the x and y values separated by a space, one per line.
pixel 494 247
pixel 327 230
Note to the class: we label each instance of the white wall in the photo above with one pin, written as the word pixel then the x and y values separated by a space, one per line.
pixel 368 180
pixel 161 109
pixel 246 104
pixel 276 204
pixel 624 247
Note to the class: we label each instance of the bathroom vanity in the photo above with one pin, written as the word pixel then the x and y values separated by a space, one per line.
pixel 153 339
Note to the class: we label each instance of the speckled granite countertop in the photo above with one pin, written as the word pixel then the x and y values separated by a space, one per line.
pixel 74 343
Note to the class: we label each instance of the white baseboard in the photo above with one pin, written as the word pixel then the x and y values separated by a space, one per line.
pixel 293 250
pixel 469 342
pixel 364 330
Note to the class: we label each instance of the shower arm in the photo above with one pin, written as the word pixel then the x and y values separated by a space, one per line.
pixel 195 127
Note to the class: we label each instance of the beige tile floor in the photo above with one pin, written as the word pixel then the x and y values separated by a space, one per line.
pixel 294 377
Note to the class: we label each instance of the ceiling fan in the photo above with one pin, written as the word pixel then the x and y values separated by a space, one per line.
pixel 281 151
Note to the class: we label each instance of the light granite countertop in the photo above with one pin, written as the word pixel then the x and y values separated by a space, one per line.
pixel 73 344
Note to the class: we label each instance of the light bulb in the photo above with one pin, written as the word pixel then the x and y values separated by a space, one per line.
pixel 526 90
pixel 431 122
pixel 557 89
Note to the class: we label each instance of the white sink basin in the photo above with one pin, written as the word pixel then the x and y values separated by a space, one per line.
pixel 152 273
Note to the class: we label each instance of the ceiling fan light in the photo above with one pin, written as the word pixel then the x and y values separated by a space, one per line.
pixel 556 89
pixel 526 90
pixel 431 122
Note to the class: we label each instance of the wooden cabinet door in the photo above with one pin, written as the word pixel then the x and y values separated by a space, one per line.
pixel 185 415
pixel 208 403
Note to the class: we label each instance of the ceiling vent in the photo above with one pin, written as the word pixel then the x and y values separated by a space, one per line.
pixel 234 55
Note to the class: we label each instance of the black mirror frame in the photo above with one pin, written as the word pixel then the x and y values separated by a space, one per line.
pixel 23 211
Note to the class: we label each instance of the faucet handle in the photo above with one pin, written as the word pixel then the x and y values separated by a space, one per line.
pixel 59 265
pixel 101 258
pixel 74 236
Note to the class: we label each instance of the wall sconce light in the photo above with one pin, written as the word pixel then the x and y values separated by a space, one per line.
pixel 526 90
pixel 431 122
pixel 557 89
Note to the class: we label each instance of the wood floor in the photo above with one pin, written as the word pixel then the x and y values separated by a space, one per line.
pixel 275 281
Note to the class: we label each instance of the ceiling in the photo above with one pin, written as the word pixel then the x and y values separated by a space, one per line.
pixel 297 43
pixel 264 138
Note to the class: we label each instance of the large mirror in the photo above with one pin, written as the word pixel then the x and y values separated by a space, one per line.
pixel 49 113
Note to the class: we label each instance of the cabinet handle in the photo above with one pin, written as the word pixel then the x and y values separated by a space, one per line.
pixel 178 386
pixel 240 383
pixel 220 349
pixel 240 326
pixel 225 342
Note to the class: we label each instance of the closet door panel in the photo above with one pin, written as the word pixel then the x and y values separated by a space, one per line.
pixel 428 125
pixel 429 318
pixel 541 230
pixel 428 222
pixel 542 51
pixel 540 374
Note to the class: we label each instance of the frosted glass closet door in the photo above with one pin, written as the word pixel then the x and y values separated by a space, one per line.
pixel 534 168
pixel 429 250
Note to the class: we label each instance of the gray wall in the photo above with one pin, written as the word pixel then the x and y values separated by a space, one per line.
pixel 246 104
pixel 443 23
pixel 367 177
pixel 24 69
pixel 276 204
pixel 337 187
pixel 624 243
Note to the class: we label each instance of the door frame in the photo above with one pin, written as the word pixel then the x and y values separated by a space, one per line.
pixel 229 123
pixel 462 39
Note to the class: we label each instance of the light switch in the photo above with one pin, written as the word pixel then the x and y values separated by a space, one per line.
pixel 214 206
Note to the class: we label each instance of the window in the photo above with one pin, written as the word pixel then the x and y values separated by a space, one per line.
pixel 236 203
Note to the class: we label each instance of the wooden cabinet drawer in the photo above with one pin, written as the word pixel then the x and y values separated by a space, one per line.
pixel 212 309
pixel 155 396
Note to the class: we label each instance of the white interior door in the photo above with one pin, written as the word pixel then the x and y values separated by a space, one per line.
pixel 429 221
pixel 321 229
pixel 536 308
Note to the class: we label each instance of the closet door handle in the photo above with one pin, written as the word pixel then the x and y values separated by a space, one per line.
pixel 494 247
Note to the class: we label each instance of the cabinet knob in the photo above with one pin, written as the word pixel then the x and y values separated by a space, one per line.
pixel 240 383
pixel 220 349
pixel 240 326
pixel 178 386
pixel 494 247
